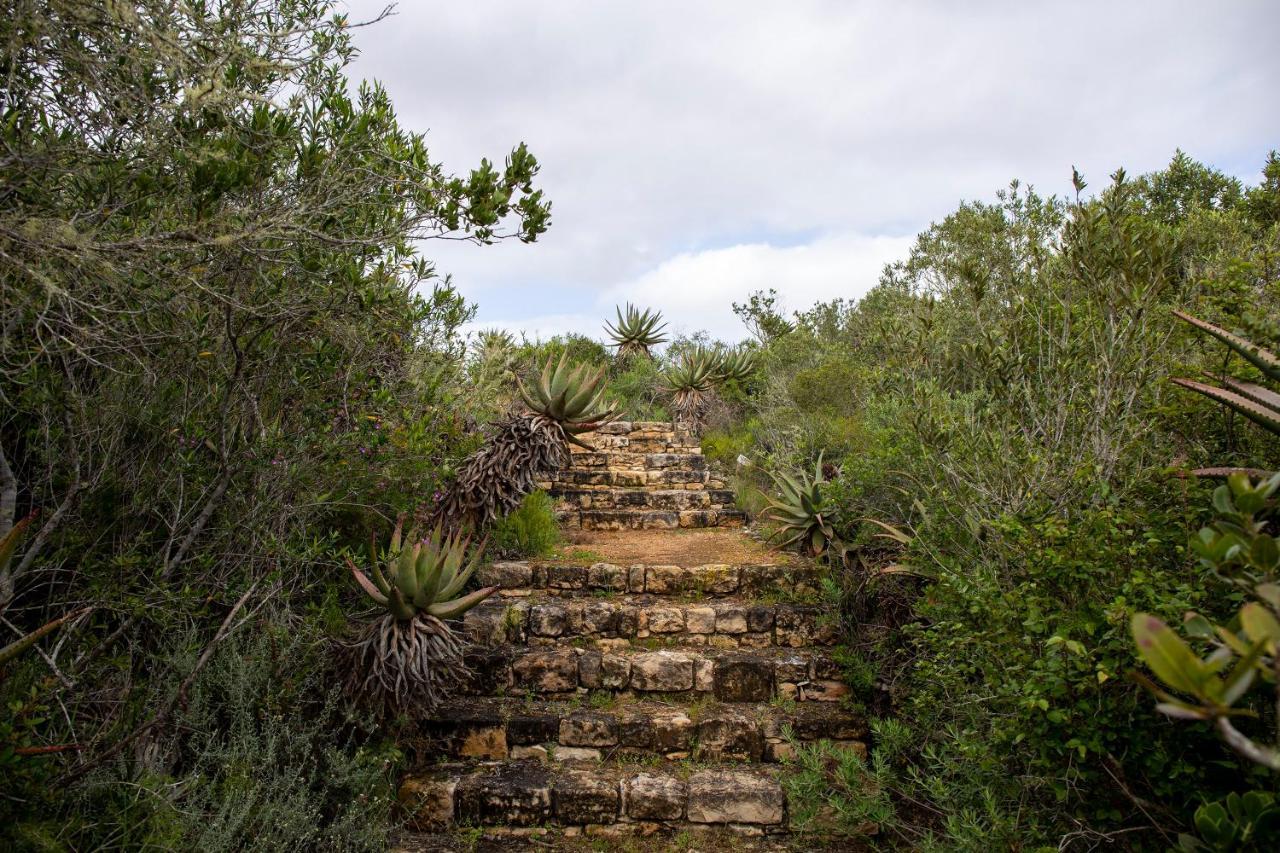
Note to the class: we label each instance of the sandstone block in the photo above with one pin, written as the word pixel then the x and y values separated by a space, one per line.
pixel 743 678
pixel 581 797
pixel 664 620
pixel 488 743
pixel 667 672
pixel 527 729
pixel 517 794
pixel 548 620
pixel 731 619
pixel 704 675
pixel 649 796
pixel 428 801
pixel 733 797
pixel 566 577
pixel 552 671
pixel 615 671
pixel 607 576
pixel 590 669
pixel 588 728
pixel 825 691
pixel 506 575
pixel 700 620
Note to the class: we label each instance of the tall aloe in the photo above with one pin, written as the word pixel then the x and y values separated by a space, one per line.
pixel 690 380
pixel 636 331
pixel 564 402
pixel 403 661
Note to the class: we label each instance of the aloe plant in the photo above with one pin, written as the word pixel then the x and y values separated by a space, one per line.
pixel 403 661
pixel 802 514
pixel 1255 402
pixel 736 365
pixel 567 400
pixel 690 380
pixel 636 331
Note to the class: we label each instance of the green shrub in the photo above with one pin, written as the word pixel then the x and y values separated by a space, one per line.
pixel 530 530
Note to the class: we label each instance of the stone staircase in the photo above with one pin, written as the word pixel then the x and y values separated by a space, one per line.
pixel 613 701
pixel 642 475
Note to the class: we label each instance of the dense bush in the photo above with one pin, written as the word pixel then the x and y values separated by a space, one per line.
pixel 223 362
pixel 1002 398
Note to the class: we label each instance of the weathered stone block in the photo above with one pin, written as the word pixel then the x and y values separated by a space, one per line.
pixel 590 673
pixel 615 671
pixel 566 577
pixel 743 678
pixel 704 672
pixel 488 743
pixel 728 733
pixel 760 618
pixel 518 794
pixel 570 754
pixel 589 728
pixel 664 620
pixel 700 620
pixel 671 731
pixel 552 671
pixel 548 620
pixel 734 797
pixel 581 797
pixel 668 672
pixel 429 802
pixel 607 576
pixel 653 797
pixel 731 619
pixel 666 580
pixel 506 575
pixel 525 729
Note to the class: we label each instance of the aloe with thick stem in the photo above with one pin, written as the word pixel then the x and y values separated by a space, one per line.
pixel 564 402
pixel 636 331
pixel 405 660
pixel 690 381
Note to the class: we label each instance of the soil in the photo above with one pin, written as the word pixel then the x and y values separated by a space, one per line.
pixel 693 547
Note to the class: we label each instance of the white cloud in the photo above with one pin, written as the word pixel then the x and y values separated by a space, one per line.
pixel 676 136
pixel 696 290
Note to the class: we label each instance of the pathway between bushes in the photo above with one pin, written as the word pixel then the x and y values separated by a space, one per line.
pixel 643 690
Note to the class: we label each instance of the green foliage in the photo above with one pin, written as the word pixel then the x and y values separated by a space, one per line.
pixel 263 754
pixel 832 791
pixel 1001 400
pixel 572 397
pixel 804 517
pixel 531 530
pixel 1239 549
pixel 1237 823
pixel 224 359
pixel 636 331
pixel 423 576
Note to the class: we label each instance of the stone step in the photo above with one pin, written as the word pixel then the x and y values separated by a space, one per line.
pixel 566 732
pixel 665 499
pixel 755 675
pixel 574 479
pixel 643 800
pixel 633 461
pixel 651 519
pixel 617 836
pixel 793 579
pixel 547 620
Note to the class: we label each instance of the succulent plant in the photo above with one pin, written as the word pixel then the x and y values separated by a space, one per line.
pixel 564 402
pixel 636 331
pixel 736 364
pixel 494 346
pixel 402 662
pixel 1256 402
pixel 801 512
pixel 690 380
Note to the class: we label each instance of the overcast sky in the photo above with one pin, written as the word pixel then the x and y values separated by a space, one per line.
pixel 695 152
